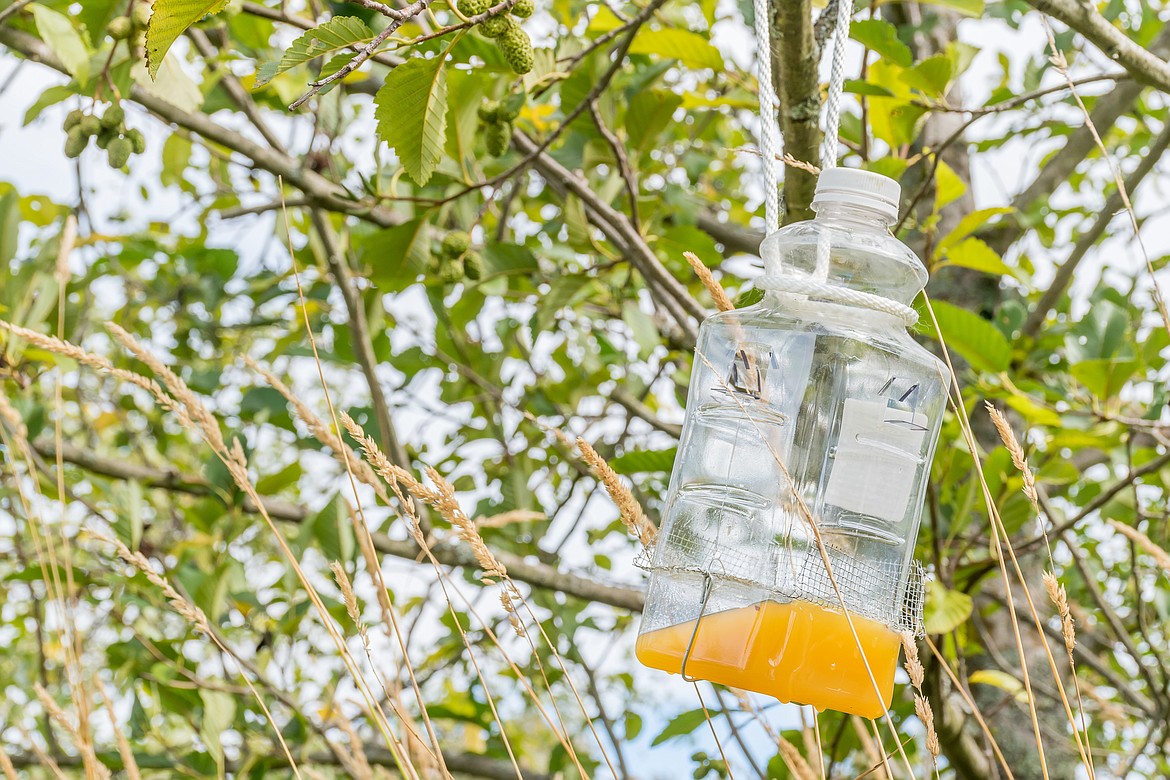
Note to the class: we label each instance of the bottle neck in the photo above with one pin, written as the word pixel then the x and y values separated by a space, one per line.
pixel 854 217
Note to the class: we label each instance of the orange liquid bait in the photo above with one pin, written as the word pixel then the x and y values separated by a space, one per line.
pixel 797 652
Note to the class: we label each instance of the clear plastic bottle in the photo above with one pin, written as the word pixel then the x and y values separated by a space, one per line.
pixel 817 404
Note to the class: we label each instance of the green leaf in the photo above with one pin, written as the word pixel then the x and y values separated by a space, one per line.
pixel 882 37
pixel 1000 679
pixel 397 255
pixel 1104 377
pixel 650 113
pixel 860 87
pixel 639 461
pixel 972 8
pixel 49 97
pixel 971 223
pixel 642 326
pixel 975 339
pixel 692 49
pixel 949 186
pixel 977 255
pixel 945 610
pixel 412 115
pixel 62 37
pixel 749 297
pixel 682 724
pixel 168 20
pixel 219 711
pixel 932 75
pixel 170 83
pixel 340 32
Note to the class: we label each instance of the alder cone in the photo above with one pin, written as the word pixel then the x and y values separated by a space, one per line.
pixel 118 152
pixel 496 26
pixel 517 49
pixel 498 137
pixel 75 142
pixel 474 7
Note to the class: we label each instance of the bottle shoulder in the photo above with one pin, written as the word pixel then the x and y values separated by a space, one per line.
pixel 785 315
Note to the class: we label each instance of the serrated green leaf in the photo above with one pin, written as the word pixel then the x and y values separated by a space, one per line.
pixel 62 37
pixel 640 461
pixel 945 610
pixel 168 20
pixel 978 256
pixel 412 115
pixel 692 49
pixel 882 37
pixel 338 33
pixel 682 724
pixel 975 339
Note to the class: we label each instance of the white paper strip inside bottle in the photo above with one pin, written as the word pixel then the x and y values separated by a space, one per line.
pixel 813 405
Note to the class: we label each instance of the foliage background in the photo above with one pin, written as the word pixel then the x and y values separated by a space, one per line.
pixel 582 323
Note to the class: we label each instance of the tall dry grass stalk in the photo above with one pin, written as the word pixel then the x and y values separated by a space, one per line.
pixel 922 707
pixel 878 760
pixel 1056 592
pixel 125 752
pixel 1145 543
pixel 14 436
pixel 718 294
pixel 442 498
pixel 1002 545
pixel 179 399
pixel 1008 437
pixel 8 767
pixel 198 620
pixel 635 520
pixel 794 760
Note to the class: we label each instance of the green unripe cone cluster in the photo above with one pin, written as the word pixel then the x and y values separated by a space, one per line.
pixel 122 28
pixel 456 261
pixel 514 43
pixel 110 131
pixel 497 126
pixel 516 47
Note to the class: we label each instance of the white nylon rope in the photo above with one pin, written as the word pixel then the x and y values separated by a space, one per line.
pixel 836 84
pixel 769 130
pixel 818 286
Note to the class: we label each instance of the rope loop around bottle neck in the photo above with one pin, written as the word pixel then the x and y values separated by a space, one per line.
pixel 796 285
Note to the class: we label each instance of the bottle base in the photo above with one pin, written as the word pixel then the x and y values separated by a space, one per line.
pixel 796 652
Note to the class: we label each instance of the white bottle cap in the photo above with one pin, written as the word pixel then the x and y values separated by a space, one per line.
pixel 859 188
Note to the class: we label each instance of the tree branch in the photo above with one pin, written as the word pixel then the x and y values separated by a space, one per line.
pixel 1115 43
pixel 449 554
pixel 1088 239
pixel 1077 146
pixel 319 189
pixel 797 59
pixel 671 294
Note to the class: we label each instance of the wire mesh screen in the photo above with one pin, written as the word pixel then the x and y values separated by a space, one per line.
pixel 789 573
